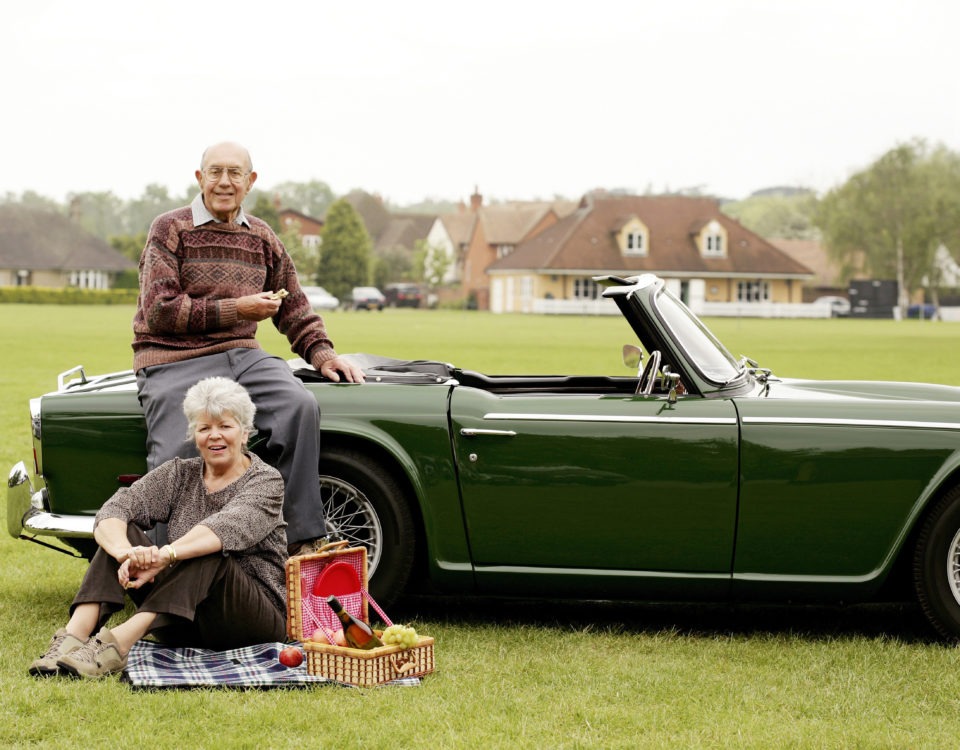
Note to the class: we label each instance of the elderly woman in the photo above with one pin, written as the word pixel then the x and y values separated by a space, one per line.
pixel 219 583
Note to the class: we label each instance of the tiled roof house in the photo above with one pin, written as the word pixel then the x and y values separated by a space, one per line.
pixel 42 248
pixel 309 227
pixel 451 235
pixel 497 232
pixel 704 255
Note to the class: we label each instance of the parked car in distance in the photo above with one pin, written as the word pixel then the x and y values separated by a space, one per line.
pixel 693 475
pixel 403 295
pixel 839 306
pixel 320 298
pixel 367 298
pixel 925 311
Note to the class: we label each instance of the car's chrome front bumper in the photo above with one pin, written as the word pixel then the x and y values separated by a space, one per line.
pixel 27 511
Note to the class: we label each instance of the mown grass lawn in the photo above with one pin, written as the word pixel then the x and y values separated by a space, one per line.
pixel 512 673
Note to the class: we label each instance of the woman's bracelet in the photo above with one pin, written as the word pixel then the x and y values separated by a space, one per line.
pixel 172 552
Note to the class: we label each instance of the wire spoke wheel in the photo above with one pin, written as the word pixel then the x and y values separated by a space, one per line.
pixel 953 566
pixel 936 565
pixel 364 504
pixel 350 515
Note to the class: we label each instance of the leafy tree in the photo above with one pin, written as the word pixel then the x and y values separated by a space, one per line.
pixel 264 209
pixel 311 198
pixel 306 259
pixel 130 245
pixel 139 213
pixel 395 264
pixel 128 279
pixel 32 199
pixel 786 216
pixel 345 255
pixel 897 212
pixel 101 213
pixel 431 263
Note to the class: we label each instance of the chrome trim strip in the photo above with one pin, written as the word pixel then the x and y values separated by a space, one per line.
pixel 607 418
pixel 601 572
pixel 52 524
pixel 470 432
pixel 800 578
pixel 19 494
pixel 837 422
pixel 62 377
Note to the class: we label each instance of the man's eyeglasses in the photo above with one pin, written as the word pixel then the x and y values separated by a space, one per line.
pixel 235 174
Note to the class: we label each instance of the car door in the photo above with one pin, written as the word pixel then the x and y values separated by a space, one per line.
pixel 615 482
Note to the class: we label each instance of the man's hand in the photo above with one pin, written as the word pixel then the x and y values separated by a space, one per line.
pixel 257 306
pixel 332 368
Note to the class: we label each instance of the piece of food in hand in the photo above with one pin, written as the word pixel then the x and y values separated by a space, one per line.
pixel 400 635
pixel 279 294
pixel 291 656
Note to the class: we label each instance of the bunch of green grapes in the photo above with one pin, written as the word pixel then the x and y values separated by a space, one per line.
pixel 402 635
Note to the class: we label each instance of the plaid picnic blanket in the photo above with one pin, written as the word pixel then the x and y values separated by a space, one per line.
pixel 152 665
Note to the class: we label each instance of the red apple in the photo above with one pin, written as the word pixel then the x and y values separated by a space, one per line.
pixel 291 656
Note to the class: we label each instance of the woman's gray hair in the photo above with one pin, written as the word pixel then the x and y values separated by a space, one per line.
pixel 216 396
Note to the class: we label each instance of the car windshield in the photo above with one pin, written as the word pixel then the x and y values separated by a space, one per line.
pixel 706 352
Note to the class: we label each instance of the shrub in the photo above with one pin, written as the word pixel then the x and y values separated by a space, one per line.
pixel 67 296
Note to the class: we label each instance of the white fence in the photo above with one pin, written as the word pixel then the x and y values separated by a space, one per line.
pixel 575 307
pixel 707 309
pixel 704 309
pixel 949 313
pixel 762 309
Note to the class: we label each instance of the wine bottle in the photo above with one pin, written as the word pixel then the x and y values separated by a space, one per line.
pixel 356 632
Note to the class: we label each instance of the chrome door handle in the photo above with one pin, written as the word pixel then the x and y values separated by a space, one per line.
pixel 470 432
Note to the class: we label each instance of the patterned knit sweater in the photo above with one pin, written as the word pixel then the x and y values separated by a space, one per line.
pixel 247 515
pixel 190 279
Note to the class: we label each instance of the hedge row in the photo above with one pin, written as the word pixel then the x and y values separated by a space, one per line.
pixel 67 296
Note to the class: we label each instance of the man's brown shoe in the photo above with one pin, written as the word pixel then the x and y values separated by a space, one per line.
pixel 100 656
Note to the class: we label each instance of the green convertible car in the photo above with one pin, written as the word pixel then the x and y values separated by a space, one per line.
pixel 697 476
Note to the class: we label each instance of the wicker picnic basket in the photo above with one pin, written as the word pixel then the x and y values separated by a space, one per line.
pixel 342 571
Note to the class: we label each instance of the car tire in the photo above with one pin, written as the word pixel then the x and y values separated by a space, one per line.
pixel 364 504
pixel 936 565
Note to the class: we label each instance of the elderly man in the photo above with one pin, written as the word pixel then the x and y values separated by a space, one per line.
pixel 207 277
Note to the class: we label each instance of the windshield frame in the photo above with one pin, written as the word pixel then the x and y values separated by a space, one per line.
pixel 693 327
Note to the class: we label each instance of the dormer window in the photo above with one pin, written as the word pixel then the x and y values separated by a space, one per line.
pixel 633 237
pixel 713 240
pixel 504 250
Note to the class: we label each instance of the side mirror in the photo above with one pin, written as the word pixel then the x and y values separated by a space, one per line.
pixel 673 378
pixel 633 358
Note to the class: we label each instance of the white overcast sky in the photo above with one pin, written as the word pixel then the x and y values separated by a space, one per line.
pixel 523 99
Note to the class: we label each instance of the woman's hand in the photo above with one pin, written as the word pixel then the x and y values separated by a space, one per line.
pixel 141 557
pixel 141 565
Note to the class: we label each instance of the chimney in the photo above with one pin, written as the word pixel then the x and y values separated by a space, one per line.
pixel 476 200
pixel 461 207
pixel 276 201
pixel 76 212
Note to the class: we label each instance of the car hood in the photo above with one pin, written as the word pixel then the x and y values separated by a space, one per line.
pixel 857 390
